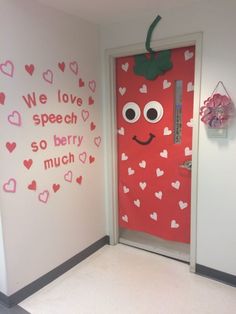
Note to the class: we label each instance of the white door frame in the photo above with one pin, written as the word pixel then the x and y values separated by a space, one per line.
pixel 110 130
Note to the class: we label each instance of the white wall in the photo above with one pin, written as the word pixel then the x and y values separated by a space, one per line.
pixel 216 232
pixel 38 236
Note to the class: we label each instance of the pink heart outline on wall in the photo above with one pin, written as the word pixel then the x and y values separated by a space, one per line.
pixel 2 98
pixel 74 67
pixel 48 76
pixel 85 115
pixel 10 186
pixel 43 197
pixel 97 141
pixel 7 68
pixel 83 157
pixel 68 176
pixel 92 86
pixel 14 118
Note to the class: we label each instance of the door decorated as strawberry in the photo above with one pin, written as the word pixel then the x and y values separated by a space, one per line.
pixel 154 120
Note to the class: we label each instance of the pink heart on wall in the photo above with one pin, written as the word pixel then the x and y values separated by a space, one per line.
pixel 7 68
pixel 10 146
pixel 97 141
pixel 61 66
pixel 92 126
pixel 2 98
pixel 32 186
pixel 68 176
pixel 28 163
pixel 14 118
pixel 92 86
pixel 74 67
pixel 90 101
pixel 29 68
pixel 43 197
pixel 81 83
pixel 91 159
pixel 10 186
pixel 48 76
pixel 85 115
pixel 55 187
pixel 79 180
pixel 83 157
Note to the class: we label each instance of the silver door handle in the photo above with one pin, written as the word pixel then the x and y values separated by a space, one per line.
pixel 187 165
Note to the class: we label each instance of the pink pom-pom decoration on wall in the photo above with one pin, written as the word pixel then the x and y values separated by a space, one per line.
pixel 217 110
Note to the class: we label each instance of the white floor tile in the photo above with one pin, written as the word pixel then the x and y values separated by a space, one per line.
pixel 124 280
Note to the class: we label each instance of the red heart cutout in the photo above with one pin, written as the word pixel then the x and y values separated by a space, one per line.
pixel 92 126
pixel 29 68
pixel 81 83
pixel 62 66
pixel 91 159
pixel 10 146
pixel 32 186
pixel 28 163
pixel 56 187
pixel 90 101
pixel 79 180
pixel 2 98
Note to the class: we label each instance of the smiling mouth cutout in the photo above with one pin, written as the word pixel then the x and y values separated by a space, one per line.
pixel 151 137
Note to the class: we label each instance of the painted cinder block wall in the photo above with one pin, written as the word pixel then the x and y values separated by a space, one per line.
pixel 216 233
pixel 48 213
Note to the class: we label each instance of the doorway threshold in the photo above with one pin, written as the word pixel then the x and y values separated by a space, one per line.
pixel 175 250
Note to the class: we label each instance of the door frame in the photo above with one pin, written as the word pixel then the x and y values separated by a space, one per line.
pixel 110 130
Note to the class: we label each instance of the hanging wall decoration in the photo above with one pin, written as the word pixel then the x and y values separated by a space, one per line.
pixel 154 64
pixel 218 109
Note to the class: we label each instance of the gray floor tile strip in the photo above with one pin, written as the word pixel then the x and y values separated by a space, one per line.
pixel 13 310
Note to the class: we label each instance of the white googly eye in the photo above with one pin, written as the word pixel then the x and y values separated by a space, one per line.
pixel 153 111
pixel 131 112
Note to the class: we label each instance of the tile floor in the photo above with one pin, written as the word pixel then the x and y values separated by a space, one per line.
pixel 124 280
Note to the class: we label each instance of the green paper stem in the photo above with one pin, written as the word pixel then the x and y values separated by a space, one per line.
pixel 149 34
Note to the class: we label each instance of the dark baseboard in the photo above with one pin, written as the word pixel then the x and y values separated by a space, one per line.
pixel 39 283
pixel 216 275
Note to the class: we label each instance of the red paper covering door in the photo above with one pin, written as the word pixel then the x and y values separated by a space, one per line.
pixel 155 146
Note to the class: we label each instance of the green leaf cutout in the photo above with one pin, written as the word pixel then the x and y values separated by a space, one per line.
pixel 153 66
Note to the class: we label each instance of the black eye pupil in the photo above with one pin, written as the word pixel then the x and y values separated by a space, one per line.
pixel 152 114
pixel 130 114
